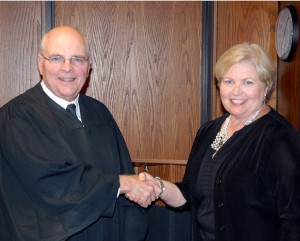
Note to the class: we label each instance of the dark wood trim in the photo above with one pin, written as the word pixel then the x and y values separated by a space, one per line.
pixel 207 60
pixel 49 15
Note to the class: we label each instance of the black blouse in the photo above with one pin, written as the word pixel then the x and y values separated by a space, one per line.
pixel 204 192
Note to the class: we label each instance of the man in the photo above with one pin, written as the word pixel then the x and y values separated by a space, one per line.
pixel 63 175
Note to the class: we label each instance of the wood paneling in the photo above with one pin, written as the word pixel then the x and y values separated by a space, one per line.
pixel 147 65
pixel 21 29
pixel 146 69
pixel 289 82
pixel 245 21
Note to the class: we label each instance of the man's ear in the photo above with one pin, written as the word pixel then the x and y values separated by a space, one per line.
pixel 90 67
pixel 40 64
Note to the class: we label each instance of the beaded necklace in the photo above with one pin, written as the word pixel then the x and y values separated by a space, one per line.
pixel 222 135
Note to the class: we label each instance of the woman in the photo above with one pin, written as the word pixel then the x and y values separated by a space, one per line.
pixel 242 180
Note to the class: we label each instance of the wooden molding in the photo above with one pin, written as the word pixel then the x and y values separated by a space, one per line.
pixel 155 162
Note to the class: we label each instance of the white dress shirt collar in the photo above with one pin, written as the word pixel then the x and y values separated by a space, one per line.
pixel 63 103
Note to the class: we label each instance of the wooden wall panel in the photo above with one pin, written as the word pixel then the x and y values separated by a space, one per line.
pixel 289 82
pixel 245 21
pixel 146 69
pixel 21 27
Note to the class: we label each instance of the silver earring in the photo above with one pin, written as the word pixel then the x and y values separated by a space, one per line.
pixel 264 100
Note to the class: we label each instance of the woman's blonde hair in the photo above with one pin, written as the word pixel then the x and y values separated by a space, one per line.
pixel 247 52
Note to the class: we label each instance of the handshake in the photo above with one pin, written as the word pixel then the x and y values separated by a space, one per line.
pixel 142 189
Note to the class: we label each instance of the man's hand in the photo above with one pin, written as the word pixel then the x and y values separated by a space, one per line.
pixel 139 190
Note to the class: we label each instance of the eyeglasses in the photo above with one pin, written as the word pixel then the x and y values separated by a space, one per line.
pixel 59 60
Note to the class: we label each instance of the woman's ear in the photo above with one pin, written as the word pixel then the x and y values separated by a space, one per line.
pixel 265 95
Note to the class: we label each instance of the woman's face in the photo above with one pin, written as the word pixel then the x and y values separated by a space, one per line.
pixel 241 91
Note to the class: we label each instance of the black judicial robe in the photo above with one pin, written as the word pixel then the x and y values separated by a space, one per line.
pixel 59 176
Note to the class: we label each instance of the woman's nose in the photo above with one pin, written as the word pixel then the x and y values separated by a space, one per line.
pixel 236 89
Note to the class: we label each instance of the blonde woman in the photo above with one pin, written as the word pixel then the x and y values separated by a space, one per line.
pixel 242 181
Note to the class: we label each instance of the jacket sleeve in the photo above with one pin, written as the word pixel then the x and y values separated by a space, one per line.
pixel 201 143
pixel 284 177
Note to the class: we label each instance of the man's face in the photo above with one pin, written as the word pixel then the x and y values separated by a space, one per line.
pixel 64 79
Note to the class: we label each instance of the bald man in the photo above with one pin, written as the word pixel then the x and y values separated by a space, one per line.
pixel 65 168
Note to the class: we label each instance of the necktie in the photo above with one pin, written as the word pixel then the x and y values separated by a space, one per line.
pixel 72 109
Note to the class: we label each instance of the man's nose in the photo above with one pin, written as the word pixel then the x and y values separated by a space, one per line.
pixel 67 65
